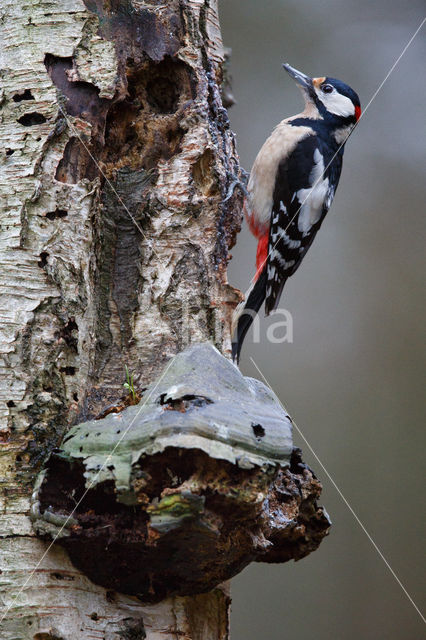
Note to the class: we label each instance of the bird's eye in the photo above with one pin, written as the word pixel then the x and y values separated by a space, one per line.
pixel 327 88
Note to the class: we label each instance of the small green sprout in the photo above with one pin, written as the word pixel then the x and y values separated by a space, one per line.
pixel 129 385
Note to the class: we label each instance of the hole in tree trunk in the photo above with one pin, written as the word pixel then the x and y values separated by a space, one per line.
pixel 31 119
pixel 43 259
pixel 26 95
pixel 58 213
pixel 258 430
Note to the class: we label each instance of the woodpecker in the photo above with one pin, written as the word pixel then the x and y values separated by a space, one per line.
pixel 291 188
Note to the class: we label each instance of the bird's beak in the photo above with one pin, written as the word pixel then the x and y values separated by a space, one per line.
pixel 304 82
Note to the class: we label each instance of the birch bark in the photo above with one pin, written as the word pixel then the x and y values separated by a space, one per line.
pixel 115 230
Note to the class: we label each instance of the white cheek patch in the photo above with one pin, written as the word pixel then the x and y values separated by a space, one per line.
pixel 337 104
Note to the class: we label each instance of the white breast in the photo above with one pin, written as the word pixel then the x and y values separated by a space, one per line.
pixel 278 146
pixel 312 199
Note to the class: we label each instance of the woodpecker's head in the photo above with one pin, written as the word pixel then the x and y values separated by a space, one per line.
pixel 333 100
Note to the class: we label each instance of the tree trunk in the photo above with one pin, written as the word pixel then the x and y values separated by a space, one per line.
pixel 115 170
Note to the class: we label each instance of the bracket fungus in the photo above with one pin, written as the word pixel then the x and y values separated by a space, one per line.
pixel 180 492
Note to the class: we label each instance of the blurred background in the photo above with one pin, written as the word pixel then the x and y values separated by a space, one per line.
pixel 353 379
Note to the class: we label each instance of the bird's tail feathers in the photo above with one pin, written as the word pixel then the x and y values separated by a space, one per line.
pixel 245 313
pixel 274 295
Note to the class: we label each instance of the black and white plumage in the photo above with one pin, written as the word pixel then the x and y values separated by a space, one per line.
pixel 291 187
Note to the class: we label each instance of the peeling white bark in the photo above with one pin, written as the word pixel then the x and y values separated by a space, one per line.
pixel 62 603
pixel 65 332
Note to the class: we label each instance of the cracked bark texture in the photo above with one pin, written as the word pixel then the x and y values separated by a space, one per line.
pixel 115 228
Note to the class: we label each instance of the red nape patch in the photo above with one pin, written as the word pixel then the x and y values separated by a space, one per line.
pixel 261 255
pixel 357 113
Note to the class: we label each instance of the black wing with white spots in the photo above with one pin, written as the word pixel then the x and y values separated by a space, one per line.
pixel 304 191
